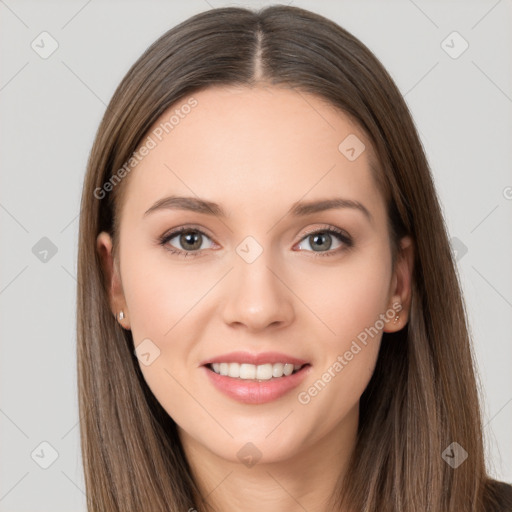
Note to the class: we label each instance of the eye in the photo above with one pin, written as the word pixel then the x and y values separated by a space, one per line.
pixel 185 241
pixel 328 241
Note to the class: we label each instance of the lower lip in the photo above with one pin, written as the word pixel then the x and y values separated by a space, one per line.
pixel 256 391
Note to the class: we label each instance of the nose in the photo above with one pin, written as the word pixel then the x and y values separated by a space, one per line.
pixel 256 296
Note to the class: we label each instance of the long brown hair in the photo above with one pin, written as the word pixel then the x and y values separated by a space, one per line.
pixel 423 394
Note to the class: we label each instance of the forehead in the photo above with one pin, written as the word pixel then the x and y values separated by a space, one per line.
pixel 253 149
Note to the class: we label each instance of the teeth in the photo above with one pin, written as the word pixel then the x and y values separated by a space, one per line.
pixel 277 370
pixel 251 371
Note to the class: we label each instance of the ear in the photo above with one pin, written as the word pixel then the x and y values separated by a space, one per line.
pixel 112 278
pixel 400 292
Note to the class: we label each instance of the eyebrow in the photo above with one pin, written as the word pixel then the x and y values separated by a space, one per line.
pixel 299 209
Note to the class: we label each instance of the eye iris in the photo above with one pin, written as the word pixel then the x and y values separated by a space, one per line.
pixel 321 240
pixel 191 240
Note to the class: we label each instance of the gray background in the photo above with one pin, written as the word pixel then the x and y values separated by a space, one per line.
pixel 49 112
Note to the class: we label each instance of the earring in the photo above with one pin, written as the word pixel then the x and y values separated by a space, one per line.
pixel 121 315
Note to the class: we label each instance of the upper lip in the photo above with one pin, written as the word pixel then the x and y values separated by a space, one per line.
pixel 255 359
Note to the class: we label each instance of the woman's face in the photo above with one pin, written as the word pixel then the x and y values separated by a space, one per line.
pixel 272 274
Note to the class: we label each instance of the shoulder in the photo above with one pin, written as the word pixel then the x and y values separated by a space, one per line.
pixel 498 496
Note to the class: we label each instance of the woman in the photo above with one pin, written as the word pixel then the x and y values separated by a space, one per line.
pixel 268 310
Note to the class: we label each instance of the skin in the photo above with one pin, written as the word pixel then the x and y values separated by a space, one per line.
pixel 255 152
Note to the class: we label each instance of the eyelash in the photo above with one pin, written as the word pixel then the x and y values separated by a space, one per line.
pixel 342 236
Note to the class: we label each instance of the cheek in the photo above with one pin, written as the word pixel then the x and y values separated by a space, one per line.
pixel 347 298
pixel 164 300
pixel 169 304
pixel 161 293
pixel 351 301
